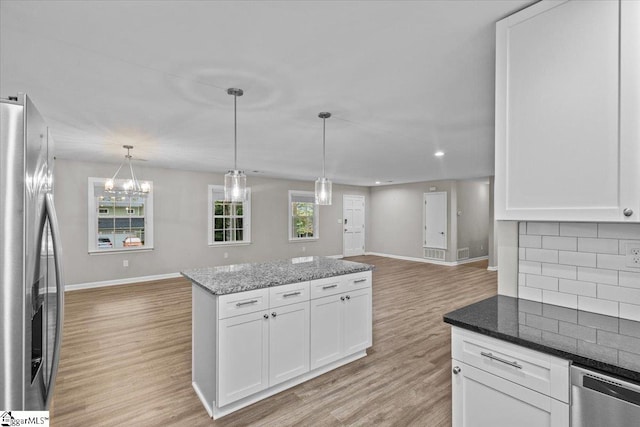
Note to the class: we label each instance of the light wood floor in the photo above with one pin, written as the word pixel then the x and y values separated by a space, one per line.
pixel 126 357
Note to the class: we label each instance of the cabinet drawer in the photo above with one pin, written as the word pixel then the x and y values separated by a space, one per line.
pixel 328 286
pixel 243 303
pixel 538 371
pixel 357 280
pixel 288 294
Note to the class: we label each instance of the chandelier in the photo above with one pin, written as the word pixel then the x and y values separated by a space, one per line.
pixel 235 181
pixel 127 187
pixel 323 185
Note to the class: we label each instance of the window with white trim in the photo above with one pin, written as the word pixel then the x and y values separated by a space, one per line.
pixel 118 222
pixel 303 216
pixel 229 222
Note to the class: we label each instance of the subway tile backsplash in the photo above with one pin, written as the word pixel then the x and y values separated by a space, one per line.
pixel 580 265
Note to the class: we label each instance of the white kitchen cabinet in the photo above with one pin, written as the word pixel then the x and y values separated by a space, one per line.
pixel 500 384
pixel 288 342
pixel 340 326
pixel 567 108
pixel 481 399
pixel 243 356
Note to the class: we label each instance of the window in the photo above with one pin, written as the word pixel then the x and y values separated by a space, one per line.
pixel 118 223
pixel 303 216
pixel 229 222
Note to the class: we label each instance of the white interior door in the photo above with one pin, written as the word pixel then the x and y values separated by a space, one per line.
pixel 353 222
pixel 435 220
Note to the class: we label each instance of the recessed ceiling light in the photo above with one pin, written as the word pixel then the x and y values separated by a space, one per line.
pixel 377 182
pixel 439 153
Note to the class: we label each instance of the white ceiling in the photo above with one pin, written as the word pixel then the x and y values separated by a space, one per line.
pixel 402 80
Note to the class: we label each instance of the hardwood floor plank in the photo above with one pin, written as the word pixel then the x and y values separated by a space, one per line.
pixel 126 356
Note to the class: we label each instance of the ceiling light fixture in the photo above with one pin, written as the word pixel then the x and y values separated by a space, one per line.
pixel 127 187
pixel 439 153
pixel 323 185
pixel 235 181
pixel 378 182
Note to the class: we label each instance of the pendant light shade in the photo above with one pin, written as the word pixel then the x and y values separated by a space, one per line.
pixel 129 187
pixel 235 181
pixel 323 185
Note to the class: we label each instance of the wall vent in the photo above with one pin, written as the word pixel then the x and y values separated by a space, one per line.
pixel 463 253
pixel 438 254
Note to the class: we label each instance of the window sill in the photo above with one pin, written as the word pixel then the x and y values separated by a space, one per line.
pixel 226 244
pixel 119 250
pixel 304 239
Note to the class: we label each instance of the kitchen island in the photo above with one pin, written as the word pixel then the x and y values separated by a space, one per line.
pixel 261 328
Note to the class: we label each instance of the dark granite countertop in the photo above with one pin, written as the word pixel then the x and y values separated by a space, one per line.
pixel 229 279
pixel 609 344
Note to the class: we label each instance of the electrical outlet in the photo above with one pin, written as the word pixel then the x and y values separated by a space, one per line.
pixel 125 263
pixel 633 255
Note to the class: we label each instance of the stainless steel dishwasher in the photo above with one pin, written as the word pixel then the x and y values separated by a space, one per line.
pixel 599 400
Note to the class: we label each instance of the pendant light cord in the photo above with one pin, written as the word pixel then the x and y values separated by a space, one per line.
pixel 324 122
pixel 235 133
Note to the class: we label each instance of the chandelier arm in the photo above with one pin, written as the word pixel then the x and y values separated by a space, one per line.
pixel 117 172
pixel 136 184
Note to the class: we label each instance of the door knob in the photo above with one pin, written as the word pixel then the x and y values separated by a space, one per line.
pixel 456 370
pixel 627 212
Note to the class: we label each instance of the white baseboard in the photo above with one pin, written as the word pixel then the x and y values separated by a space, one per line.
pixel 335 256
pixel 116 282
pixel 492 268
pixel 429 261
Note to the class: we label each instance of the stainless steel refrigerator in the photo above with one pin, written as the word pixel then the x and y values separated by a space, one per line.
pixel 31 284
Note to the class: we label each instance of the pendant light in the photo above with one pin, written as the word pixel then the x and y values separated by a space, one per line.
pixel 130 187
pixel 235 181
pixel 323 185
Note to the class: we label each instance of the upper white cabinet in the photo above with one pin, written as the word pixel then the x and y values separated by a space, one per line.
pixel 567 108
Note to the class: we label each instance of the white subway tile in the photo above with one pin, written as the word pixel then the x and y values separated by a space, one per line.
pixel 522 228
pixel 543 228
pixel 630 311
pixel 629 279
pixel 598 275
pixel 557 298
pixel 619 231
pixel 618 293
pixel 542 282
pixel 601 246
pixel 577 287
pixel 610 308
pixel 522 279
pixel 559 270
pixel 527 241
pixel 530 293
pixel 563 243
pixel 529 267
pixel 577 258
pixel 579 229
pixel 542 255
pixel 522 253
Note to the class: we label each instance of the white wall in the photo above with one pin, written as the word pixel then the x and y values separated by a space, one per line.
pixel 180 223
pixel 473 218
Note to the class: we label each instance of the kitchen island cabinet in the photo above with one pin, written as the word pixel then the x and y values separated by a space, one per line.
pixel 257 330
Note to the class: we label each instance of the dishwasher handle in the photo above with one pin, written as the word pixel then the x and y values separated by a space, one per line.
pixel 611 389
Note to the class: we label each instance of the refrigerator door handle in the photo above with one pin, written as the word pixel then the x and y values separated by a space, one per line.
pixel 57 254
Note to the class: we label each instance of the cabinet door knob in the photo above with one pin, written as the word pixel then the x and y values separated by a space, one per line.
pixel 273 314
pixel 456 370
pixel 348 297
pixel 627 212
pixel 342 298
pixel 266 316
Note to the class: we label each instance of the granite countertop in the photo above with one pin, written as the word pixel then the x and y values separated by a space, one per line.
pixel 229 279
pixel 609 344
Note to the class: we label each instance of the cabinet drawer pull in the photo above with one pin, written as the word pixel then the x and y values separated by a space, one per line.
pixel 329 286
pixel 360 280
pixel 291 294
pixel 499 359
pixel 240 304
